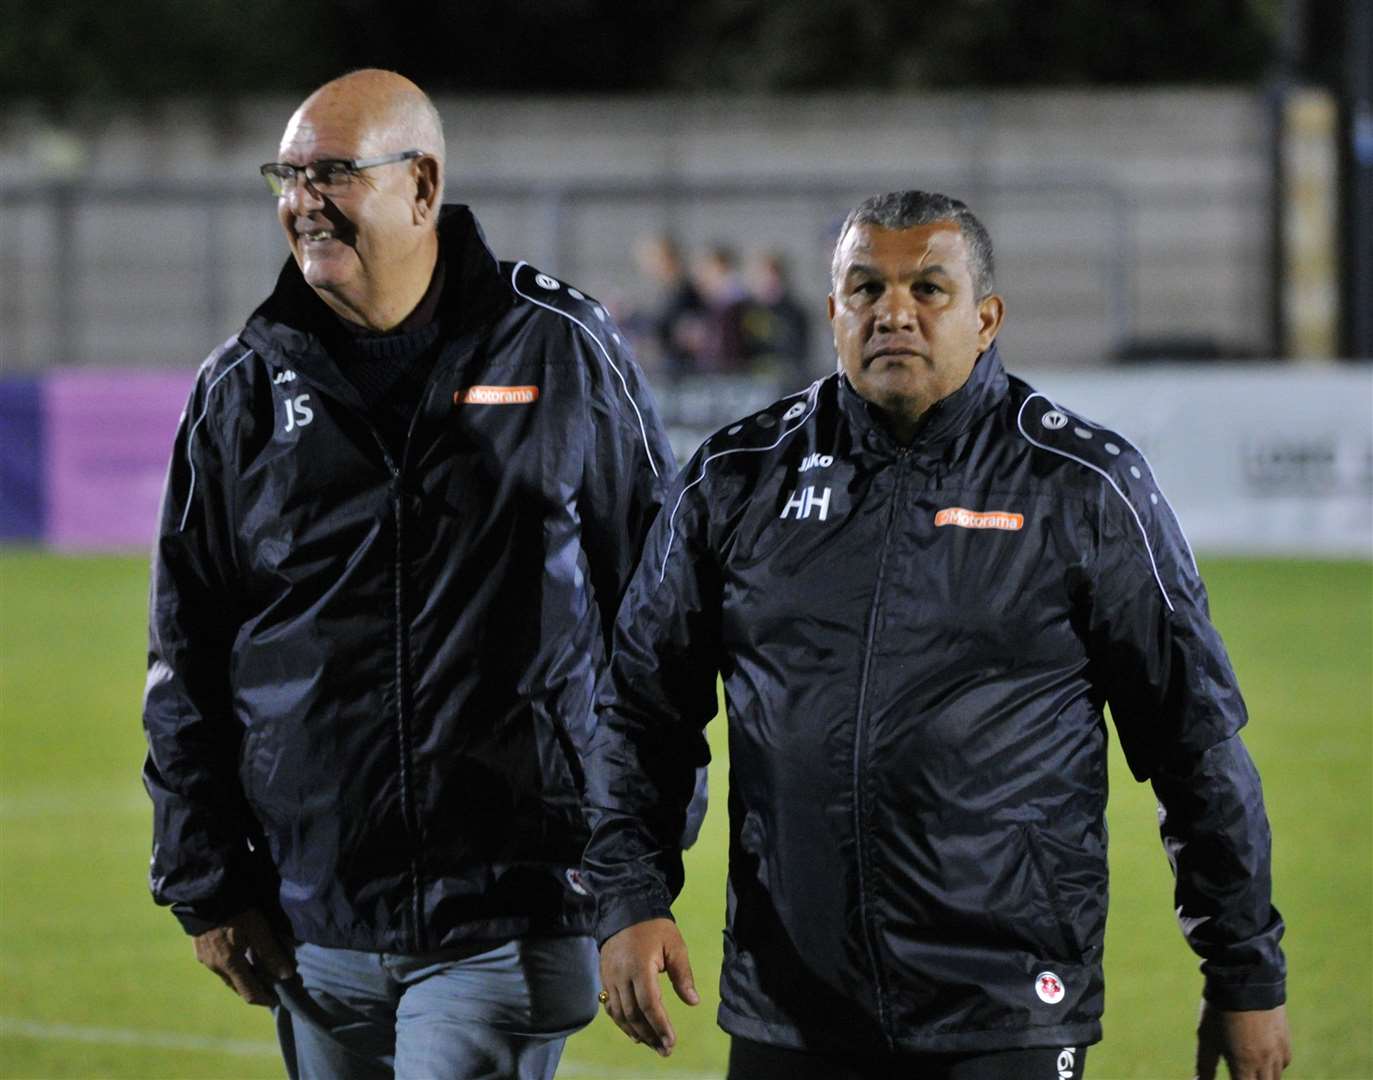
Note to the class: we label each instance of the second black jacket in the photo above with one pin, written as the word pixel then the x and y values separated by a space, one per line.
pixel 917 645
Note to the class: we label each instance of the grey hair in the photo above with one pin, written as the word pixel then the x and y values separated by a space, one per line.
pixel 907 209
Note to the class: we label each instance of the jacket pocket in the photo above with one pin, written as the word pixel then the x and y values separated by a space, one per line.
pixel 1043 871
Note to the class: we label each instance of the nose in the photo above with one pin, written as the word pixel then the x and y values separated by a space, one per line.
pixel 301 197
pixel 895 312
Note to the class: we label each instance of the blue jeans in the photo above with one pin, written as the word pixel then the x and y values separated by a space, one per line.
pixel 486 1012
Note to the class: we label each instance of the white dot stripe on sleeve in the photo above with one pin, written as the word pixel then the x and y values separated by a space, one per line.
pixel 1153 563
pixel 643 431
pixel 814 394
pixel 1176 520
pixel 190 436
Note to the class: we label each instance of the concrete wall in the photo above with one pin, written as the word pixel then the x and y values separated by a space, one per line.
pixel 1115 215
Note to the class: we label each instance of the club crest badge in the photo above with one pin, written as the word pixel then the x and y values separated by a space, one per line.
pixel 1049 987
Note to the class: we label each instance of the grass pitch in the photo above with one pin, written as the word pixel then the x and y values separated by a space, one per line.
pixel 98 982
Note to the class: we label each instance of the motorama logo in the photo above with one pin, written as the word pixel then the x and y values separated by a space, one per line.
pixel 496 395
pixel 974 519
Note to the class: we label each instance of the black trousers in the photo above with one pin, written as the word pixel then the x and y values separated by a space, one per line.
pixel 749 1060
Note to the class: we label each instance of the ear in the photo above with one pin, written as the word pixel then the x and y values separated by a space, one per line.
pixel 829 306
pixel 426 189
pixel 990 311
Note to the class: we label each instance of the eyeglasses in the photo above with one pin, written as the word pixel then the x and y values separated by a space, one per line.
pixel 329 176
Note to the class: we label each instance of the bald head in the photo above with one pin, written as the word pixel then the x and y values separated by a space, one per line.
pixel 382 111
pixel 367 245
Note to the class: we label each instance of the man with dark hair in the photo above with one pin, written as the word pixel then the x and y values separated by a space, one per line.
pixel 402 507
pixel 776 325
pixel 723 347
pixel 674 322
pixel 922 582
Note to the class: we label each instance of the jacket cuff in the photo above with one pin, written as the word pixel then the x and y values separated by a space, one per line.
pixel 1246 996
pixel 198 918
pixel 614 914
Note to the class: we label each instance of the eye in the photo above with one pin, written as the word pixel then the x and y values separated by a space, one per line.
pixel 331 173
pixel 927 288
pixel 868 288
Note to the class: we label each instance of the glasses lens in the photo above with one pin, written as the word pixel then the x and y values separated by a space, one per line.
pixel 330 175
pixel 278 177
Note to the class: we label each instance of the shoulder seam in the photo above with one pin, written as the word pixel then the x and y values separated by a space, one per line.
pixel 813 392
pixel 1144 534
pixel 190 435
pixel 643 430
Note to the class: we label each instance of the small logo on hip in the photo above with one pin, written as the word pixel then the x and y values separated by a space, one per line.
pixel 1049 987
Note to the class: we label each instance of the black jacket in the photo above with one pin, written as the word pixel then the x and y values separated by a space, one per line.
pixel 377 670
pixel 917 645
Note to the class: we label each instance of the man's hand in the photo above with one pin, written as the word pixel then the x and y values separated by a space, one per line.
pixel 1255 1043
pixel 246 955
pixel 631 962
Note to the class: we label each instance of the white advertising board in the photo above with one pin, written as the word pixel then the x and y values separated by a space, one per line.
pixel 1255 459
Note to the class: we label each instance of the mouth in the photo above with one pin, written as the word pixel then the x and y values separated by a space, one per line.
pixel 891 352
pixel 309 232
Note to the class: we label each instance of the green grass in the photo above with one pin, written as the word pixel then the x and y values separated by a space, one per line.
pixel 86 960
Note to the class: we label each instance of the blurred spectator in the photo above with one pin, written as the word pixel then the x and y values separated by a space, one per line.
pixel 776 326
pixel 723 341
pixel 671 330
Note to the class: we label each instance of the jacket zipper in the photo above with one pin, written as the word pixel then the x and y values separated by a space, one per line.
pixel 402 649
pixel 409 813
pixel 404 706
pixel 860 752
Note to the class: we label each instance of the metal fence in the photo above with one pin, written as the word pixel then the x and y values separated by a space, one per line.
pixel 155 273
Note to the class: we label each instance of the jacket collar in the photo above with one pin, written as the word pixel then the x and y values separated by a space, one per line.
pixel 987 384
pixel 295 325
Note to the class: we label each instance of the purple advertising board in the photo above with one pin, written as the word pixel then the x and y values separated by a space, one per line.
pixel 109 435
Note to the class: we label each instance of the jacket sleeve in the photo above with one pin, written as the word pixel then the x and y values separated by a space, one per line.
pixel 628 467
pixel 202 865
pixel 1178 710
pixel 654 701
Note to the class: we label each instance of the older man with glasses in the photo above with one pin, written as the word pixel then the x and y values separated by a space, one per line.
pixel 401 508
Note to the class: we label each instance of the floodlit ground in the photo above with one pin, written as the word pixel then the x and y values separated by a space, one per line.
pixel 96 981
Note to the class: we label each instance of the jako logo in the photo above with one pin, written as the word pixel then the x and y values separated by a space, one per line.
pixel 298 413
pixel 1067 1061
pixel 284 376
pixel 972 519
pixel 816 461
pixel 804 500
pixel 497 395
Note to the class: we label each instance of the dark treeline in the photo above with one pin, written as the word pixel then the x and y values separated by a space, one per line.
pixel 91 51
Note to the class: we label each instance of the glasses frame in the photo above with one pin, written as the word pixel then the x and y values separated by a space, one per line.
pixel 353 166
